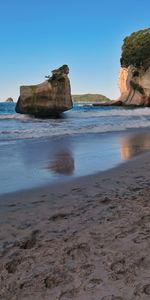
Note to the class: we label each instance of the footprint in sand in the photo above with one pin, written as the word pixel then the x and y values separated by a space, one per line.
pixel 29 242
pixel 87 270
pixel 67 295
pixel 141 238
pixel 112 297
pixel 51 282
pixel 12 265
pixel 146 289
pixel 93 284
pixel 60 216
pixel 78 190
pixel 144 221
pixel 105 200
pixel 82 247
pixel 38 202
pixel 142 289
pixel 119 267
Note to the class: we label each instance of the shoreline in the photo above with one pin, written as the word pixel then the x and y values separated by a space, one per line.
pixel 84 239
pixel 116 170
pixel 44 161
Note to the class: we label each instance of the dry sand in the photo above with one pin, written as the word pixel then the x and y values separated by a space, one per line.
pixel 88 239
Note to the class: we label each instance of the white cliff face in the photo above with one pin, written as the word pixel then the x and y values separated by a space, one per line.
pixel 125 76
pixel 134 85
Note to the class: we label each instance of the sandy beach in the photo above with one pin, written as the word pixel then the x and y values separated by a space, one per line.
pixel 84 239
pixel 75 150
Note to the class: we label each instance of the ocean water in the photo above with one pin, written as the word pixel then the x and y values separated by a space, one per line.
pixel 84 141
pixel 82 119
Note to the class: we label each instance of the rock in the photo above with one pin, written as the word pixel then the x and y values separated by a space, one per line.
pixel 135 90
pixel 49 98
pixel 134 77
pixel 9 100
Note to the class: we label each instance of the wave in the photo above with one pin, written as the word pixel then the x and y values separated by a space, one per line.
pixel 110 112
pixel 84 104
pixel 16 134
pixel 127 112
pixel 80 120
pixel 85 111
pixel 15 117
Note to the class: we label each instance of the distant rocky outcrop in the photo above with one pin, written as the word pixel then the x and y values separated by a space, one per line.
pixel 49 98
pixel 9 100
pixel 134 77
pixel 89 98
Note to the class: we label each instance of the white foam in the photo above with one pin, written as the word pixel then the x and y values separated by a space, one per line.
pixel 113 112
pixel 15 117
pixel 76 122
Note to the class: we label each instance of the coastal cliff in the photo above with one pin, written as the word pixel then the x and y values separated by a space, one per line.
pixel 134 85
pixel 134 76
pixel 49 98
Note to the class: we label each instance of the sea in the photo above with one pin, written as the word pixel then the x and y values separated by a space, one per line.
pixel 82 119
pixel 84 140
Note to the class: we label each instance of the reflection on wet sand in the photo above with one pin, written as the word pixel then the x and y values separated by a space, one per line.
pixel 134 145
pixel 63 163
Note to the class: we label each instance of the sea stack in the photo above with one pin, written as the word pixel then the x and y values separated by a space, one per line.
pixel 49 98
pixel 9 99
pixel 134 77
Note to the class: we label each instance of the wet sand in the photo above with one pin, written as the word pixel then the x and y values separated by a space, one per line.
pixel 26 164
pixel 87 239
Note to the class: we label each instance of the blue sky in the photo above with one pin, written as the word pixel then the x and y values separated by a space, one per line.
pixel 38 36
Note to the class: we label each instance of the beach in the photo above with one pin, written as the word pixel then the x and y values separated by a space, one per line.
pixel 84 239
pixel 75 150
pixel 74 205
pixel 83 141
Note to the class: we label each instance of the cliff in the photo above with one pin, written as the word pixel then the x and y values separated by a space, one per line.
pixel 135 90
pixel 134 76
pixel 49 98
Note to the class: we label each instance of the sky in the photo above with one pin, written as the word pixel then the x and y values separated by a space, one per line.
pixel 37 36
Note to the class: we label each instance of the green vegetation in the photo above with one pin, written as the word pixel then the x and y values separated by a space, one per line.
pixel 89 98
pixel 136 49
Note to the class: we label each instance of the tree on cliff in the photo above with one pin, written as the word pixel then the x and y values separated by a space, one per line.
pixel 136 49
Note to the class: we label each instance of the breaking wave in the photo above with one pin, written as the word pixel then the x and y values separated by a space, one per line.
pixel 81 119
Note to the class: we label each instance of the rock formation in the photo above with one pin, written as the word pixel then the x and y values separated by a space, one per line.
pixel 134 77
pixel 134 89
pixel 9 100
pixel 49 98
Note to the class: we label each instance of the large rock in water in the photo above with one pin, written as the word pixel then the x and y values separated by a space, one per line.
pixel 49 98
pixel 134 77
pixel 9 99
